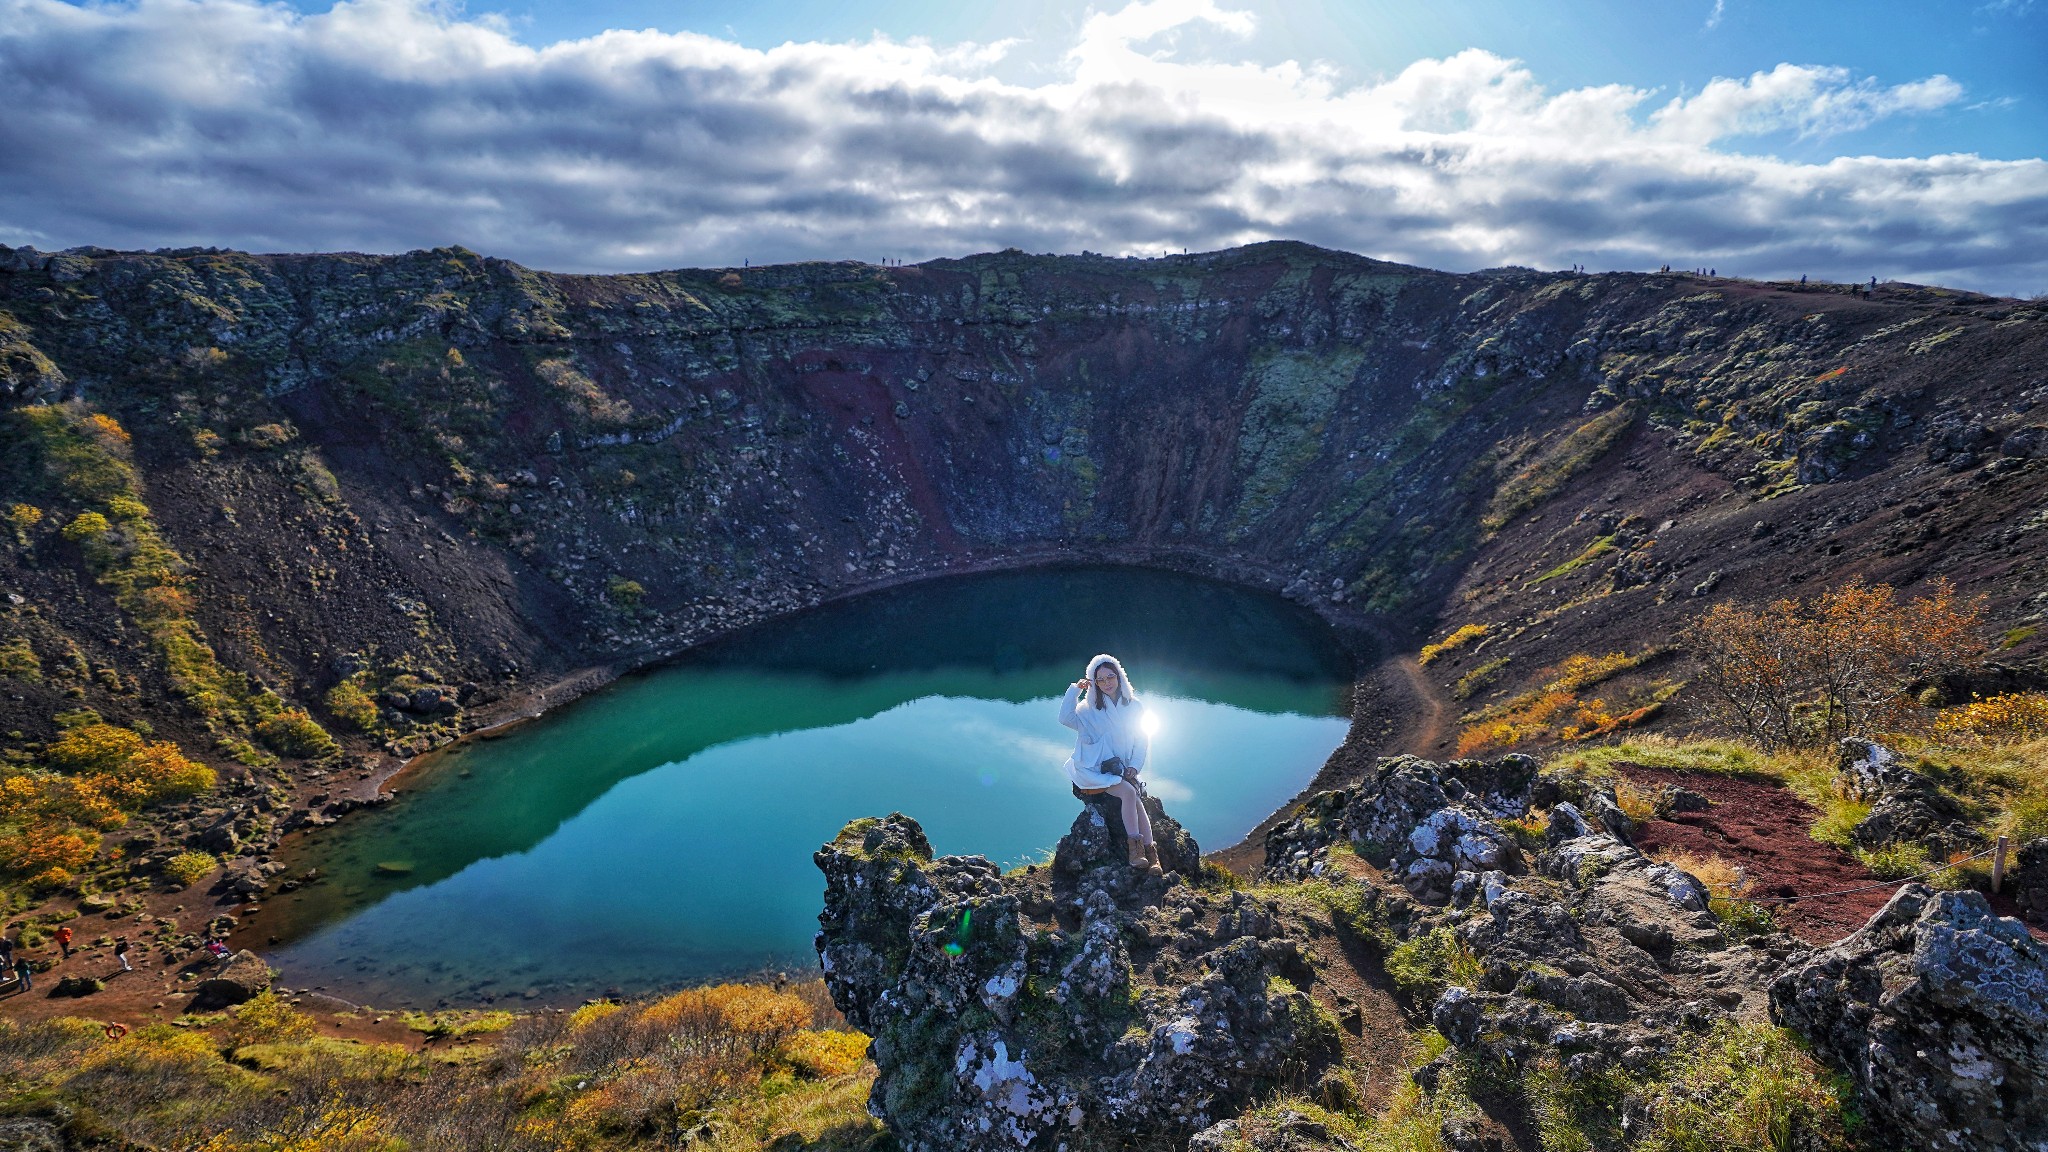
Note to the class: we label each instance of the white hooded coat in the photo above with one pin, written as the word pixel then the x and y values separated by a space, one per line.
pixel 1117 730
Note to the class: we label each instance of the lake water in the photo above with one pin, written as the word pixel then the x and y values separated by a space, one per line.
pixel 660 832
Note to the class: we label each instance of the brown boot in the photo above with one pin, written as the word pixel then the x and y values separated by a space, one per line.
pixel 1136 848
pixel 1152 854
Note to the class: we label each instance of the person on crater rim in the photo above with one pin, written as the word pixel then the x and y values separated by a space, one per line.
pixel 1111 749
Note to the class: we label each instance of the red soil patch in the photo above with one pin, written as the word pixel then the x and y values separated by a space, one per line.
pixel 1763 827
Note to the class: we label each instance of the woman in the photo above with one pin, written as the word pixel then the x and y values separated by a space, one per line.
pixel 1112 748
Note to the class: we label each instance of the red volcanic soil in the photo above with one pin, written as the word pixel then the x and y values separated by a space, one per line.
pixel 1762 827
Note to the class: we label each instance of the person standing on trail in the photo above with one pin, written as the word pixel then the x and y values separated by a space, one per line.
pixel 64 941
pixel 23 971
pixel 6 953
pixel 121 953
pixel 1111 749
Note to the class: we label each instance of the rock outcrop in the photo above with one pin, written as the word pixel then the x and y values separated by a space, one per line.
pixel 1433 826
pixel 237 979
pixel 1938 1009
pixel 1009 1010
pixel 1905 807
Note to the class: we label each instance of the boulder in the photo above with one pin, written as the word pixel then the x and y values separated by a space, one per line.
pixel 2029 443
pixel 78 986
pixel 1938 1010
pixel 1868 771
pixel 235 980
pixel 1920 815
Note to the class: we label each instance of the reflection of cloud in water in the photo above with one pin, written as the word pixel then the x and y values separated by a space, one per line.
pixel 974 731
pixel 1168 790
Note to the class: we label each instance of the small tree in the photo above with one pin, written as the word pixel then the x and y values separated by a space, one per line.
pixel 1804 672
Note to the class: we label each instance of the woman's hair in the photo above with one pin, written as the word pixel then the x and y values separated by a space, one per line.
pixel 1124 694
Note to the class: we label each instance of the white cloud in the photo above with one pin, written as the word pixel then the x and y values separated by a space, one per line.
pixel 390 124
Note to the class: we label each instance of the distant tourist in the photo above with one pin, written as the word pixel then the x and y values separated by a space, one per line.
pixel 6 954
pixel 1112 749
pixel 23 972
pixel 218 949
pixel 121 953
pixel 64 941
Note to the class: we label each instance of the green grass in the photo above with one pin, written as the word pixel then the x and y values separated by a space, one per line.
pixel 1423 967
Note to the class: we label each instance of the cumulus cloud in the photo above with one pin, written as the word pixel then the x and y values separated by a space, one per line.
pixel 382 125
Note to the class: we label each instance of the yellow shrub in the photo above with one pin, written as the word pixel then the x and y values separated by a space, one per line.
pixel 86 526
pixel 591 1013
pixel 1635 803
pixel 351 703
pixel 293 733
pixel 92 748
pixel 23 518
pixel 265 1019
pixel 758 1013
pixel 1453 642
pixel 2007 719
pixel 127 508
pixel 821 1053
pixel 189 868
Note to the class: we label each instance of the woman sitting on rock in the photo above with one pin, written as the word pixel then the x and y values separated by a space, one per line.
pixel 1112 748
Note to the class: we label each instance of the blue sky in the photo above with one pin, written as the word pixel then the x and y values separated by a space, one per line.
pixel 1828 139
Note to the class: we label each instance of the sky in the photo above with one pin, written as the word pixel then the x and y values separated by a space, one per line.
pixel 1839 140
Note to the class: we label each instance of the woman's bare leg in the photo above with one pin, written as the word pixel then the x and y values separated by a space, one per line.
pixel 1137 823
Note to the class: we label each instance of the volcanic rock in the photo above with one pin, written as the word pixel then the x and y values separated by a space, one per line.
pixel 1938 1009
pixel 237 979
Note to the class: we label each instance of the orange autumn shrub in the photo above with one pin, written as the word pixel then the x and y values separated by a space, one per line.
pixel 46 855
pixel 1528 720
pixel 1804 673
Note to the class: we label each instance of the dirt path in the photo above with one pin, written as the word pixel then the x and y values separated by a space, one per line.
pixel 1429 732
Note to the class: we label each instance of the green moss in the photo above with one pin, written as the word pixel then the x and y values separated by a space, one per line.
pixel 1556 465
pixel 1293 397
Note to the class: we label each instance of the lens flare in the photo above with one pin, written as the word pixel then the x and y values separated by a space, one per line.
pixel 1151 723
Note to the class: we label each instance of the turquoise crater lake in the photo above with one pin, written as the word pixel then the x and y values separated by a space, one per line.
pixel 660 832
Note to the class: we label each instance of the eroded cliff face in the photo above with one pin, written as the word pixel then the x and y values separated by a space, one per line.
pixel 445 474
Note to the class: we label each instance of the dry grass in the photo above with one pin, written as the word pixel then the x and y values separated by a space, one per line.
pixel 744 1066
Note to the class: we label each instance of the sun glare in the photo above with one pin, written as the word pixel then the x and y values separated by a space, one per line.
pixel 1151 723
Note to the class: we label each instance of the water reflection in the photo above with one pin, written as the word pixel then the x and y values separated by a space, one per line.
pixel 661 831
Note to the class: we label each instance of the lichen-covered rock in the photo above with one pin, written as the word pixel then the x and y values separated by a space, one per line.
pixel 1004 1010
pixel 1421 820
pixel 1938 1009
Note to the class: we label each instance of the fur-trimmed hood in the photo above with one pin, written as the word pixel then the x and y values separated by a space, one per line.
pixel 1130 694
